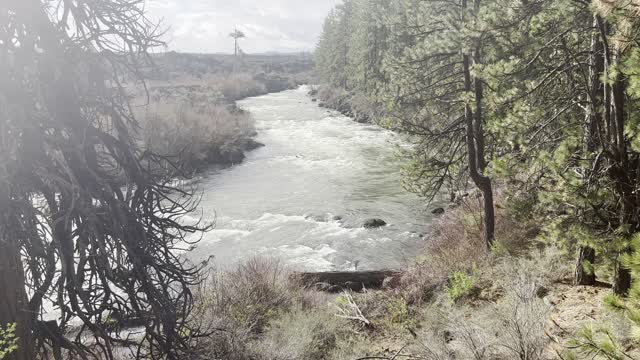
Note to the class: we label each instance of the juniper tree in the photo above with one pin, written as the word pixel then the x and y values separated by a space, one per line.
pixel 85 225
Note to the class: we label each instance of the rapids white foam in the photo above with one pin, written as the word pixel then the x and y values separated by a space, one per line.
pixel 316 165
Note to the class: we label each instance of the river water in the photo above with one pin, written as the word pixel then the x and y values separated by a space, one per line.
pixel 304 196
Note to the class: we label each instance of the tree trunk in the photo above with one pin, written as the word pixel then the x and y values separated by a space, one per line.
pixel 475 142
pixel 593 121
pixel 622 280
pixel 623 178
pixel 13 307
pixel 586 254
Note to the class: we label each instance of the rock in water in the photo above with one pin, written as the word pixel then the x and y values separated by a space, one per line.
pixel 374 223
pixel 437 211
pixel 316 217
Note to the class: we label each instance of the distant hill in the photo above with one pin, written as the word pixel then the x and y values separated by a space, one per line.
pixel 173 64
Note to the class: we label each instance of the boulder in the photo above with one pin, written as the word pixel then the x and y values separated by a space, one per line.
pixel 314 100
pixel 374 223
pixel 437 211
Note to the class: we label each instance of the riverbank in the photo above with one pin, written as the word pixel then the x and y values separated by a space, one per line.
pixel 350 104
pixel 188 111
pixel 196 124
pixel 450 303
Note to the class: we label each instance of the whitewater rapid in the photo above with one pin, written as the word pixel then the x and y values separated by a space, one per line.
pixel 304 196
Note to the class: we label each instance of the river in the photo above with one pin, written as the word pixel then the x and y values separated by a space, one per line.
pixel 305 195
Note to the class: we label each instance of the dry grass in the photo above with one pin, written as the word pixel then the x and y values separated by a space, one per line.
pixel 456 245
pixel 254 311
pixel 235 306
pixel 509 327
pixel 236 86
pixel 190 136
pixel 311 335
pixel 250 295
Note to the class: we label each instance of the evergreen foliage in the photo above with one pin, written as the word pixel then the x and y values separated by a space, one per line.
pixel 537 97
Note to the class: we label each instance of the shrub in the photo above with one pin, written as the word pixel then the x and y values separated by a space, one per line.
pixel 236 86
pixel 300 334
pixel 456 244
pixel 238 304
pixel 509 327
pixel 8 340
pixel 523 316
pixel 376 310
pixel 334 98
pixel 254 292
pixel 192 138
pixel 460 286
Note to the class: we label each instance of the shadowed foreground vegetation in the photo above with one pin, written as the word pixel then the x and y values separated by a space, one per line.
pixel 516 303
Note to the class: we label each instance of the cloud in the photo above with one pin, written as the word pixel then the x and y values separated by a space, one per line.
pixel 203 26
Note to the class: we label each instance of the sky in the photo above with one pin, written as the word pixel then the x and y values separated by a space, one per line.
pixel 203 26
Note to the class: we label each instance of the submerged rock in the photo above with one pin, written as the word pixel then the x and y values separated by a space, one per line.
pixel 316 217
pixel 374 223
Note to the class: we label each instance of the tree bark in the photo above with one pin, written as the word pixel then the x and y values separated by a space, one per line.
pixel 623 177
pixel 14 306
pixel 593 121
pixel 622 280
pixel 582 276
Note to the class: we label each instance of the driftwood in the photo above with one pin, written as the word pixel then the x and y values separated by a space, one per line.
pixel 336 281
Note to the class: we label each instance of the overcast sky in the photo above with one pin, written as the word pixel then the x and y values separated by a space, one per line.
pixel 203 26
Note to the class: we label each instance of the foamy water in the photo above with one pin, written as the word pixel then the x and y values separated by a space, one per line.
pixel 317 167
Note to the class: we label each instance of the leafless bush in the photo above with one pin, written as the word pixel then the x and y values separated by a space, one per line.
pixel 347 308
pixel 237 305
pixel 511 328
pixel 523 328
pixel 523 314
pixel 332 96
pixel 255 292
pixel 300 334
pixel 365 107
pixel 190 137
pixel 542 267
pixel 456 244
pixel 236 86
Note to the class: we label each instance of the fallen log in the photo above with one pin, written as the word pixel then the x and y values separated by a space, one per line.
pixel 335 281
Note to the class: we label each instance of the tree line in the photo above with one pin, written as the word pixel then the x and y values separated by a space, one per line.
pixel 538 97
